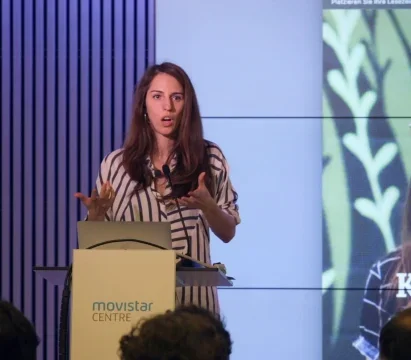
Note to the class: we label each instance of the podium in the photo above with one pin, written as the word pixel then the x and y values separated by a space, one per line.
pixel 112 290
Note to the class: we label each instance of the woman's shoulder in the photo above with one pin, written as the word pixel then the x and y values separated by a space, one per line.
pixel 216 155
pixel 113 159
pixel 386 265
pixel 212 147
pixel 389 258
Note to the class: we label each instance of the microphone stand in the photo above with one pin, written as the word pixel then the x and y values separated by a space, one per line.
pixel 184 262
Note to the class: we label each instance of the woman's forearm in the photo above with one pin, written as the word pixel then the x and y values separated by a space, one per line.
pixel 221 223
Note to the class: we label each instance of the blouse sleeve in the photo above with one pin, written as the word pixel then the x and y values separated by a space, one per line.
pixel 104 176
pixel 226 196
pixel 369 328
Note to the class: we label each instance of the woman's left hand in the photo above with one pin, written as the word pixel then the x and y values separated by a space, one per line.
pixel 200 198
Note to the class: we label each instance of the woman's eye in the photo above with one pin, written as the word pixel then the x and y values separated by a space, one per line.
pixel 156 96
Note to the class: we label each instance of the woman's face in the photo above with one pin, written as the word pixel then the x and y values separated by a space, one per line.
pixel 164 104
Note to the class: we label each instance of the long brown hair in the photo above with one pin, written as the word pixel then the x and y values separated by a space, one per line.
pixel 190 148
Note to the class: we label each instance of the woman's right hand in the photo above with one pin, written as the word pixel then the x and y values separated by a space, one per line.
pixel 96 205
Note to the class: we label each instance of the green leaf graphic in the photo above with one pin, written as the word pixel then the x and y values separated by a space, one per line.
pixel 329 35
pixel 354 144
pixel 389 198
pixel 384 156
pixel 366 208
pixel 367 102
pixel 337 83
pixel 355 61
pixel 327 279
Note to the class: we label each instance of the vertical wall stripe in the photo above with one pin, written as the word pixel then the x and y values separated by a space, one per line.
pixel 140 40
pixel 67 75
pixel 1 134
pixel 107 86
pixel 62 165
pixel 28 155
pixel 130 61
pixel 17 158
pixel 96 74
pixel 40 112
pixel 73 115
pixel 84 93
pixel 5 150
pixel 151 32
pixel 117 74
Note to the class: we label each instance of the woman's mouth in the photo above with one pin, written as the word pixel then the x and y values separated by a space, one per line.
pixel 167 121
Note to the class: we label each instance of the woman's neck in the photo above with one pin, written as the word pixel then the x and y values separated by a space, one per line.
pixel 163 149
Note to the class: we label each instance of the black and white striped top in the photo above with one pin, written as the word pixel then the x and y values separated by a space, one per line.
pixel 379 304
pixel 148 205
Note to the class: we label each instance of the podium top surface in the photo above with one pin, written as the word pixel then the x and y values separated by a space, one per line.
pixel 185 276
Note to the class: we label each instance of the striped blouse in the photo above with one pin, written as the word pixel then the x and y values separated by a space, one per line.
pixel 379 304
pixel 148 205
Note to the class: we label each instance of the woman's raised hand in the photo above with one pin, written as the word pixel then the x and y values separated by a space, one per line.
pixel 97 205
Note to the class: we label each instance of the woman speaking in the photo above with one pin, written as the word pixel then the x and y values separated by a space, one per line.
pixel 166 129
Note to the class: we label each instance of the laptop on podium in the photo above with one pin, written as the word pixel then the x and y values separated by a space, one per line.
pixel 94 232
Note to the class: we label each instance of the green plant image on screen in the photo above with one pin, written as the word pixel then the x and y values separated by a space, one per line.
pixel 366 159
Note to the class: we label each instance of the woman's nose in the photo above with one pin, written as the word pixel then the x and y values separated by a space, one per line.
pixel 167 104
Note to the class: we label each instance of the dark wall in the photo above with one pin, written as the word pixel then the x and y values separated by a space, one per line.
pixel 68 70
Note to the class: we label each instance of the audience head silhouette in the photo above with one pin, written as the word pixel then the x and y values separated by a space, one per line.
pixel 187 333
pixel 18 338
pixel 395 337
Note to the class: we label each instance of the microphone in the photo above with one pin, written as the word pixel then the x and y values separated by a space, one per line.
pixel 158 174
pixel 167 174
